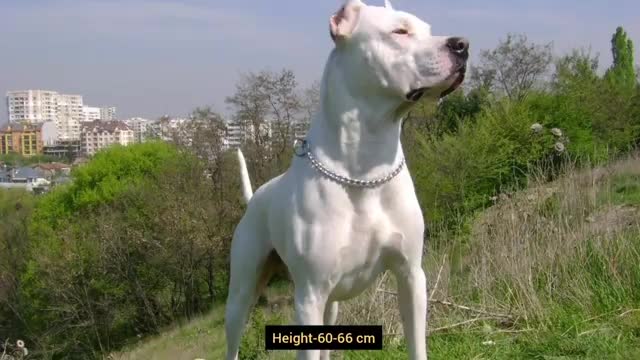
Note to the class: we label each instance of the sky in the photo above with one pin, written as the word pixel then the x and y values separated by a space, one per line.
pixel 154 57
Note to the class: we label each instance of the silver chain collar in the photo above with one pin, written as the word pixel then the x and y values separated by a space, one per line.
pixel 301 149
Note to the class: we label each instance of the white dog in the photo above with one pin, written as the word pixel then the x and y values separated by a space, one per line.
pixel 346 209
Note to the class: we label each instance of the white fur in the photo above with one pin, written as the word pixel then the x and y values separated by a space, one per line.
pixel 336 240
pixel 247 192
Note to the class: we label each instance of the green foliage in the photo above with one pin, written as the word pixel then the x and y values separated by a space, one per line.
pixel 131 245
pixel 110 172
pixel 458 172
pixel 624 190
pixel 252 346
pixel 622 74
pixel 599 119
pixel 484 145
pixel 460 107
pixel 16 160
pixel 16 207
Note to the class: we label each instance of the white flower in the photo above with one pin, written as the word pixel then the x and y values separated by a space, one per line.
pixel 557 132
pixel 489 342
pixel 20 344
pixel 559 147
pixel 536 128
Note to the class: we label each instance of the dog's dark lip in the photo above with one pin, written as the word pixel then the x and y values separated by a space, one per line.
pixel 416 94
pixel 461 74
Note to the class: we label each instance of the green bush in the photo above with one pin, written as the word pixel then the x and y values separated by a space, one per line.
pixel 16 207
pixel 599 119
pixel 485 145
pixel 134 242
pixel 458 172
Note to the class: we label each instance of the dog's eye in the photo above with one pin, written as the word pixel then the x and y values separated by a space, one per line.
pixel 401 31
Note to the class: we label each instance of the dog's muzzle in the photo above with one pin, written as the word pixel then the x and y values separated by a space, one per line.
pixel 417 94
pixel 459 50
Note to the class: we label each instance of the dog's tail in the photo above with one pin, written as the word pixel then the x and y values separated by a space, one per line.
pixel 247 192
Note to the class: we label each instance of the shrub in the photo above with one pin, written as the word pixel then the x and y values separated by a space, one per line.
pixel 16 207
pixel 457 173
pixel 132 244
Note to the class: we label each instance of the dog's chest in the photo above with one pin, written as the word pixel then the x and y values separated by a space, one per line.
pixel 347 238
pixel 361 251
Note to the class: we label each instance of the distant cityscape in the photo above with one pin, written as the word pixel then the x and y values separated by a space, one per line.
pixel 62 126
pixel 43 122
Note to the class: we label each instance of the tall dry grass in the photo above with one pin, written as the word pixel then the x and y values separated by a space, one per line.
pixel 569 245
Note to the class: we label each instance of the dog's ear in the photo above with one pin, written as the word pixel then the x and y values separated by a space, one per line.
pixel 387 4
pixel 343 23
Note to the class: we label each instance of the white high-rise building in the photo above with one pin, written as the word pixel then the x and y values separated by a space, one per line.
pixel 108 113
pixel 140 128
pixel 32 106
pixel 39 106
pixel 70 115
pixel 91 113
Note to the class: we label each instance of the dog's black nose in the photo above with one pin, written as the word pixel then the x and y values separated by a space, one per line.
pixel 459 46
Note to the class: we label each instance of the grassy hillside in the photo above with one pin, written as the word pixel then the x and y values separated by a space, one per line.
pixel 552 272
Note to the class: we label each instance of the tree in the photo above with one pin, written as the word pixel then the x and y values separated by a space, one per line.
pixel 513 68
pixel 310 101
pixel 136 241
pixel 268 107
pixel 622 73
pixel 579 64
pixel 203 134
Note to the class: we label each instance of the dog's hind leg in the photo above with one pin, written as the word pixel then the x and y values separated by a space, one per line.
pixel 252 262
pixel 330 318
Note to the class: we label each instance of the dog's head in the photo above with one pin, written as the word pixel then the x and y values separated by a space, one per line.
pixel 393 52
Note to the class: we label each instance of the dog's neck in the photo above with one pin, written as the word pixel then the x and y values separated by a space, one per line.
pixel 357 135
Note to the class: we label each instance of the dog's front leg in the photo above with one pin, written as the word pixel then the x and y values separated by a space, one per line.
pixel 412 299
pixel 309 305
pixel 330 318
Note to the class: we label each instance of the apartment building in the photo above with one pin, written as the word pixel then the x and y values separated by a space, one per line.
pixel 140 127
pixel 108 113
pixel 23 139
pixel 32 106
pixel 91 113
pixel 70 115
pixel 40 106
pixel 238 132
pixel 99 135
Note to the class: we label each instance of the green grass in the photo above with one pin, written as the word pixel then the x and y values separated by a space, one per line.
pixel 200 338
pixel 571 337
pixel 625 189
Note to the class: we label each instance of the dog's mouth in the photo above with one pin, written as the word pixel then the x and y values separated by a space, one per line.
pixel 458 77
